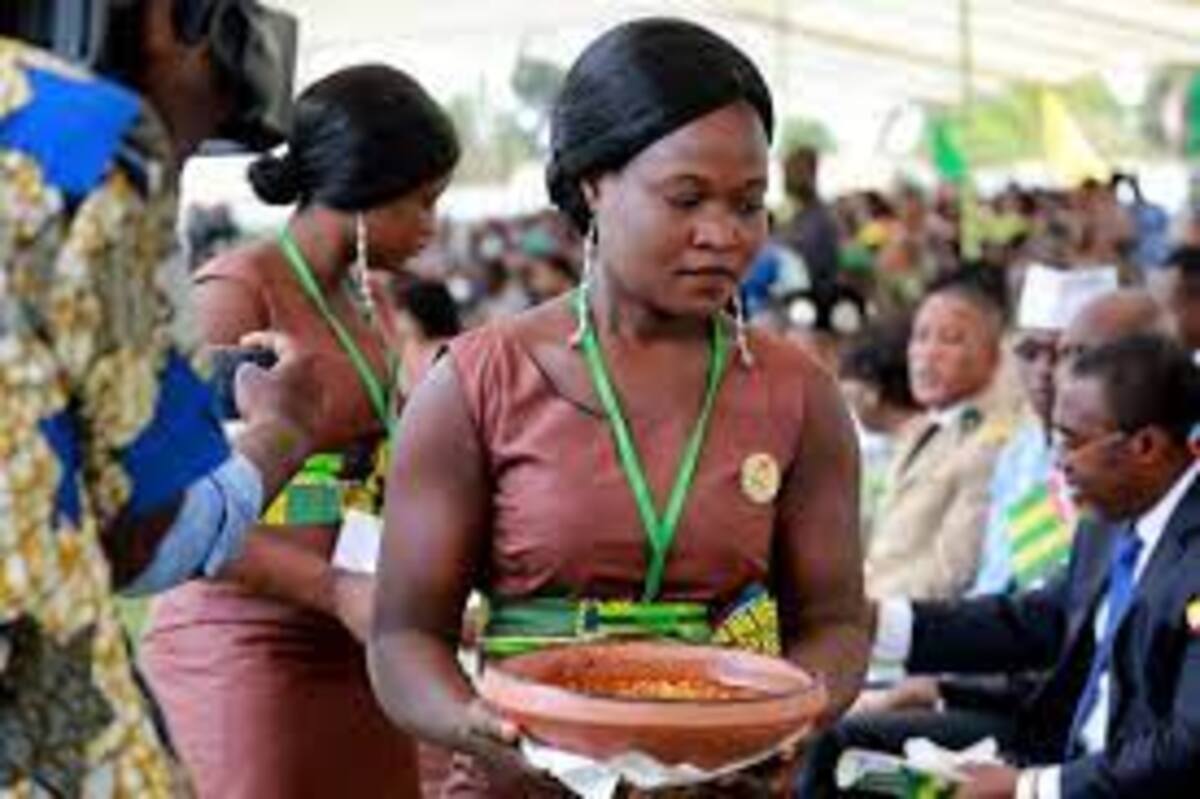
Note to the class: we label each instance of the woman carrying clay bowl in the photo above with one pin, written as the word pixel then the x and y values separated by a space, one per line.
pixel 631 440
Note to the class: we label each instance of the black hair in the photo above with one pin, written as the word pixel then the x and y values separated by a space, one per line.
pixel 631 87
pixel 1027 203
pixel 431 305
pixel 878 356
pixel 1185 259
pixel 878 206
pixel 561 264
pixel 1148 381
pixel 360 137
pixel 981 285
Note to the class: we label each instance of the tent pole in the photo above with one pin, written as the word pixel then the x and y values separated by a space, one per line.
pixel 968 239
pixel 780 46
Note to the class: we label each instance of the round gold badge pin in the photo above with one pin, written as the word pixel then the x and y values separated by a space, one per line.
pixel 760 478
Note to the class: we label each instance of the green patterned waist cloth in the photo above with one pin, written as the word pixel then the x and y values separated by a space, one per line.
pixel 319 494
pixel 513 627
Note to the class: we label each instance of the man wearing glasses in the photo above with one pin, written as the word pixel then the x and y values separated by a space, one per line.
pixel 1117 633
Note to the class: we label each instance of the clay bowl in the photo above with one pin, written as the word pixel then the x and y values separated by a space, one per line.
pixel 562 697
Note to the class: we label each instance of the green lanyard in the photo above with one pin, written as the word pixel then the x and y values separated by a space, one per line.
pixel 660 532
pixel 376 393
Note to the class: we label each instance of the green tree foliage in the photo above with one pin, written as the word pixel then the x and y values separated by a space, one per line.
pixel 497 140
pixel 493 141
pixel 801 131
pixel 536 82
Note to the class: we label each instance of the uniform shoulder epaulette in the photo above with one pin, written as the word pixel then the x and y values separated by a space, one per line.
pixel 990 429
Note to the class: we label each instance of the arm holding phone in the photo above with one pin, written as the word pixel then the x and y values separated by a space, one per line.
pixel 294 567
pixel 206 528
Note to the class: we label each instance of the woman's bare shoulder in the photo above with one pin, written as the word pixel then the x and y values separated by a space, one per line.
pixel 248 263
pixel 538 332
pixel 547 324
pixel 785 358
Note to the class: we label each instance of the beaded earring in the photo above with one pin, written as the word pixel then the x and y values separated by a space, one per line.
pixel 590 242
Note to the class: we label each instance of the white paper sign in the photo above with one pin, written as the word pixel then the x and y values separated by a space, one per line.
pixel 357 547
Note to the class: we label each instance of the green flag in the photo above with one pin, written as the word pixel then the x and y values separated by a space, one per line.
pixel 1192 139
pixel 945 150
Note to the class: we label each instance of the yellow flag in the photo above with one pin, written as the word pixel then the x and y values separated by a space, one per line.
pixel 1193 616
pixel 1068 152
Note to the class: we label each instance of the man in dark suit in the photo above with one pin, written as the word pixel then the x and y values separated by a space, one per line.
pixel 1118 713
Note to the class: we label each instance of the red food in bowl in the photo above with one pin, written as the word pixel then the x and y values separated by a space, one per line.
pixel 702 705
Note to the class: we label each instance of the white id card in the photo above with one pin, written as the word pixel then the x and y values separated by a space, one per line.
pixel 357 547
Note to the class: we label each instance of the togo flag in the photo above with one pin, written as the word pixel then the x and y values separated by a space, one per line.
pixel 1040 532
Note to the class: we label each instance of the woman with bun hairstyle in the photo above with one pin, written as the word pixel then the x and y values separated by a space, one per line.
pixel 263 677
pixel 535 461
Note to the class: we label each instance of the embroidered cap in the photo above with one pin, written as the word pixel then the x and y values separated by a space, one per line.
pixel 1051 297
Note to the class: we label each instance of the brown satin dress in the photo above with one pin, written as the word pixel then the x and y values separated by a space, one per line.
pixel 265 699
pixel 564 520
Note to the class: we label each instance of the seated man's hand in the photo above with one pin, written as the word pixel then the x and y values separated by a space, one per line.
pixel 989 782
pixel 912 693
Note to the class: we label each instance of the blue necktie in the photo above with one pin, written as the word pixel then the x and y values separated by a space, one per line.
pixel 1120 592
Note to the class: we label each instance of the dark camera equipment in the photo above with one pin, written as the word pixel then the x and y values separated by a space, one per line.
pixel 225 363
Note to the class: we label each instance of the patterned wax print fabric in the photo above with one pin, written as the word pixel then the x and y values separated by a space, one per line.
pixel 101 414
pixel 1030 521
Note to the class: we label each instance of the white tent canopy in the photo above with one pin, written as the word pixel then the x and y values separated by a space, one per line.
pixel 809 48
pixel 853 64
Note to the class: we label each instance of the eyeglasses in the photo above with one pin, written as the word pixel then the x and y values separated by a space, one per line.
pixel 1061 446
